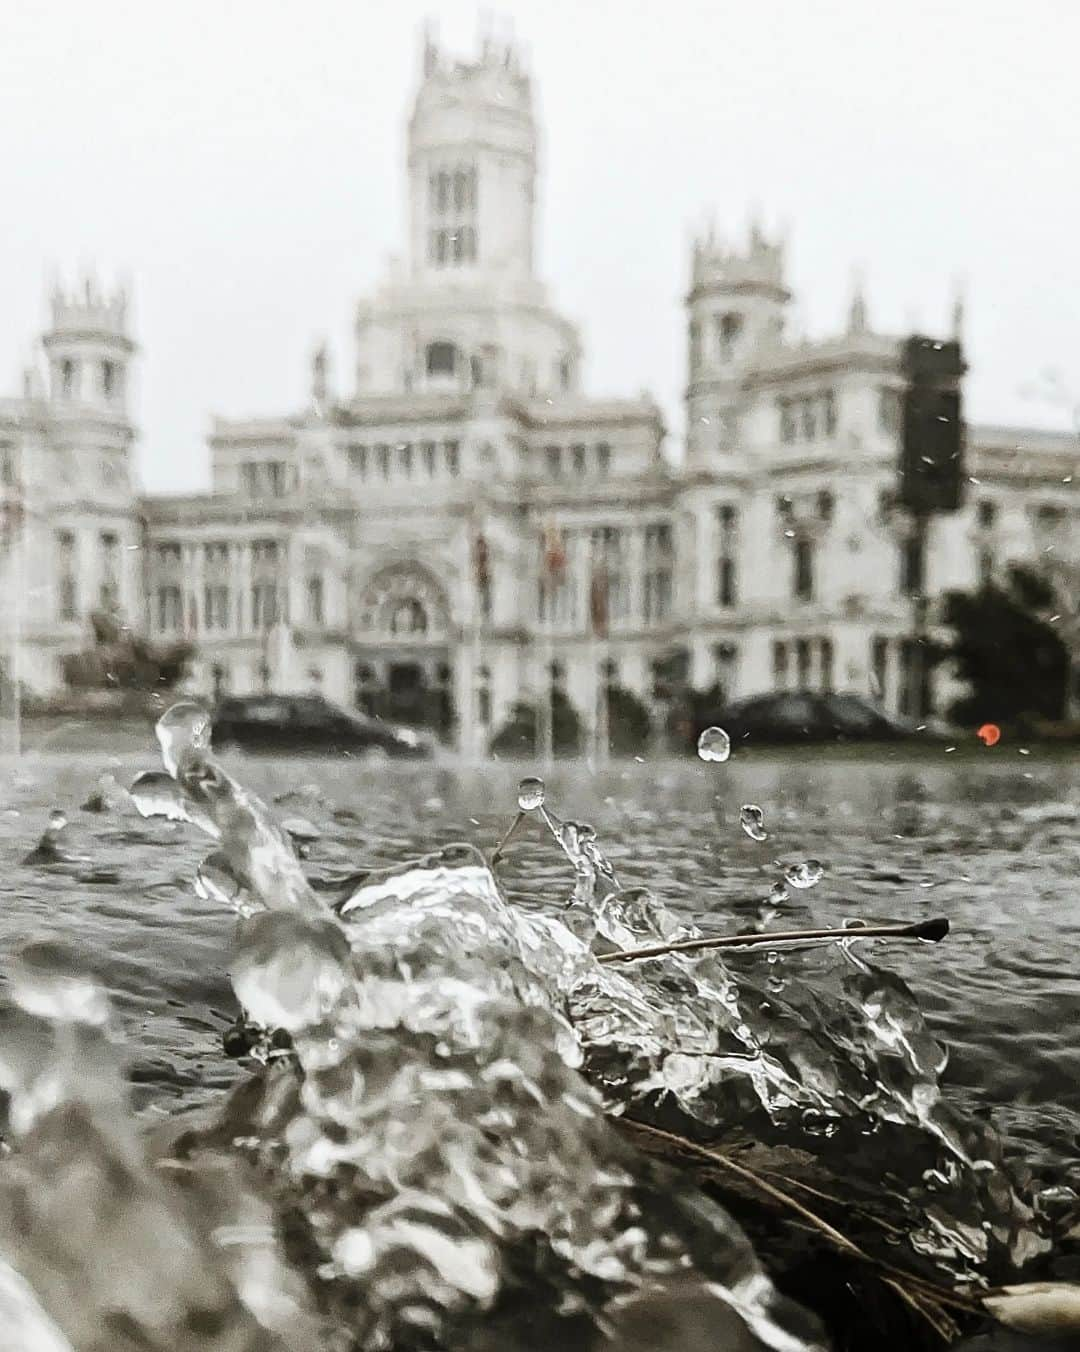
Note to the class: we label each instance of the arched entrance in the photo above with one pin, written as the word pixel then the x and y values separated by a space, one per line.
pixel 403 669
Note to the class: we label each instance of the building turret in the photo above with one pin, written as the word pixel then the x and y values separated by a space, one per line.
pixel 472 165
pixel 88 348
pixel 736 312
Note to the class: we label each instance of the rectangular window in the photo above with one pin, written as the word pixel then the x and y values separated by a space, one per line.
pixel 603 458
pixel 808 419
pixel 985 567
pixel 382 455
pixel 358 461
pixel 170 608
pixel 428 451
pixel 168 555
pixel 67 604
pixel 264 553
pixel 779 665
pixel 577 456
pixel 109 587
pixel 453 463
pixel 907 682
pixel 879 667
pixel 803 580
pixel 553 455
pixel 828 411
pixel 986 514
pixel 264 605
pixel 888 409
pixel 7 466
pixel 912 565
pixel 827 662
pixel 216 555
pixel 249 479
pixel 727 520
pixel 405 457
pixel 802 664
pixel 725 582
pixel 787 421
pixel 216 607
pixel 315 599
pixel 657 595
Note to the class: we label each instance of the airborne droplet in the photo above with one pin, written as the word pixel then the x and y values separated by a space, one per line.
pixel 806 874
pixel 714 745
pixel 752 819
pixel 530 794
pixel 778 894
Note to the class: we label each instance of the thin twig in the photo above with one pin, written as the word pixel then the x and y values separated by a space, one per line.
pixel 496 854
pixel 927 1289
pixel 929 931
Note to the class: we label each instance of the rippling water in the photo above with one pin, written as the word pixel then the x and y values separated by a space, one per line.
pixel 991 842
pixel 996 851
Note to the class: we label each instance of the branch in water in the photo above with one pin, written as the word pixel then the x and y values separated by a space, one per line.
pixel 929 931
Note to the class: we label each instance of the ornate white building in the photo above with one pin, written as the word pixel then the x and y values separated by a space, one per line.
pixel 465 528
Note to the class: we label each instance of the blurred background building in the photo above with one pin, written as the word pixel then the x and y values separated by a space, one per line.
pixel 457 526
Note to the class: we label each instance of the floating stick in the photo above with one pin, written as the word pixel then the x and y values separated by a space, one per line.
pixel 929 931
pixel 496 854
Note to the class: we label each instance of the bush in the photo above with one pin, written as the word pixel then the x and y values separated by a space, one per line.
pixel 692 712
pixel 120 660
pixel 519 735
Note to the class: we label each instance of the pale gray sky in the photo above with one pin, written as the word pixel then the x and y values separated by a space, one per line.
pixel 242 162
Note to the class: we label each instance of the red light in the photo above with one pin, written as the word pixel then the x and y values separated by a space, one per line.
pixel 989 734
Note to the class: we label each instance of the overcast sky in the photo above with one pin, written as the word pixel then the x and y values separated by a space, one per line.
pixel 242 162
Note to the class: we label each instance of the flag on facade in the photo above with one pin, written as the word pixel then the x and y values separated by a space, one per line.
pixel 481 566
pixel 554 552
pixel 11 517
pixel 598 597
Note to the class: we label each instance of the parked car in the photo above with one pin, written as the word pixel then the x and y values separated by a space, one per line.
pixel 801 716
pixel 310 723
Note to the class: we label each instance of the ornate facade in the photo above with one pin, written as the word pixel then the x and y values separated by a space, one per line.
pixel 463 527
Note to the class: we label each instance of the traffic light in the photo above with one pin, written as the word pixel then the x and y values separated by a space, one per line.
pixel 931 466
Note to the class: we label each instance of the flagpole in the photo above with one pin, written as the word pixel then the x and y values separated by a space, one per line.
pixel 545 713
pixel 475 754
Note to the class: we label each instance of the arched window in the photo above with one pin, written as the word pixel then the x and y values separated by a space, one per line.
pixel 441 359
pixel 409 617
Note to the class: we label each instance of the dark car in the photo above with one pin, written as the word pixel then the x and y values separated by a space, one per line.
pixel 309 723
pixel 800 716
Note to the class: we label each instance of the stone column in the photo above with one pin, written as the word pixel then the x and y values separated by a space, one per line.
pixel 635 565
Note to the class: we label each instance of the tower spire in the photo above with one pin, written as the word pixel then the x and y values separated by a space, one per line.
pixel 320 377
pixel 857 322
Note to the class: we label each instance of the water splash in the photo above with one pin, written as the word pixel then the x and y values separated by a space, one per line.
pixel 752 821
pixel 807 873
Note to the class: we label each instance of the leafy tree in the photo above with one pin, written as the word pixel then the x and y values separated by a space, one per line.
pixel 520 736
pixel 1013 661
pixel 693 712
pixel 120 660
pixel 629 724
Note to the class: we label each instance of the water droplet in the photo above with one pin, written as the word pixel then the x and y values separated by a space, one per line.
pixel 182 731
pixel 530 794
pixel 778 894
pixel 714 745
pixel 803 875
pixel 751 819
